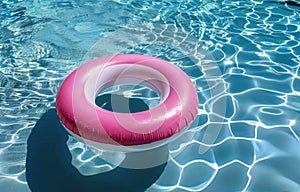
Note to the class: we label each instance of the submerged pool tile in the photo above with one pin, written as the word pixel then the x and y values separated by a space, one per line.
pixel 239 83
pixel 196 175
pixel 213 133
pixel 230 178
pixel 232 150
pixel 242 129
pixel 170 177
pixel 192 152
pixel 273 175
pixel 296 85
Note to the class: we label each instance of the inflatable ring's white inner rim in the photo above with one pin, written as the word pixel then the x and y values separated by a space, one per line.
pixel 103 77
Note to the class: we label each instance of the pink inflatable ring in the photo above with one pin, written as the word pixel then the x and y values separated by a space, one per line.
pixel 76 108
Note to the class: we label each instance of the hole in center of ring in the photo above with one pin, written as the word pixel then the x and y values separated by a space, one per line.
pixel 127 98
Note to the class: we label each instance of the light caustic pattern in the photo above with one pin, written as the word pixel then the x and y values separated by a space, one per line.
pixel 254 47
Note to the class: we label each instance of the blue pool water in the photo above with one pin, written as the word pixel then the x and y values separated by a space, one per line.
pixel 242 56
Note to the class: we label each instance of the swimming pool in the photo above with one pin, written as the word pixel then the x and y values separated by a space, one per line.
pixel 242 56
